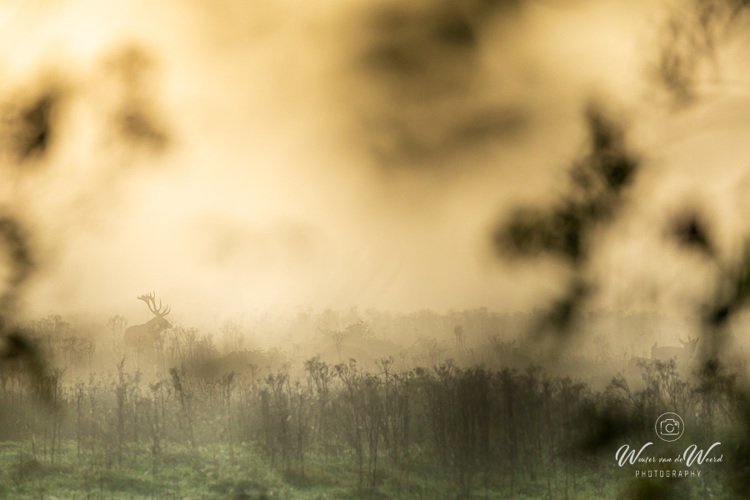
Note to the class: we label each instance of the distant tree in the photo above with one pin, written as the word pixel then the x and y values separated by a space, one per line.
pixel 117 325
pixel 338 340
pixel 360 329
pixel 458 333
pixel 233 338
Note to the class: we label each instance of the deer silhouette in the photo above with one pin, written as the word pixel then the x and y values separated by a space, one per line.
pixel 680 354
pixel 143 338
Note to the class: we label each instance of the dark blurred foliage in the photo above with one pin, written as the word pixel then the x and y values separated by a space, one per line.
pixel 138 127
pixel 136 119
pixel 36 126
pixel 717 373
pixel 717 389
pixel 30 124
pixel 679 59
pixel 732 293
pixel 690 231
pixel 595 195
pixel 562 313
pixel 21 352
pixel 413 37
pixel 16 347
pixel 487 8
pixel 417 139
pixel 33 116
pixel 408 41
pixel 689 41
pixel 566 229
pixel 15 244
pixel 420 60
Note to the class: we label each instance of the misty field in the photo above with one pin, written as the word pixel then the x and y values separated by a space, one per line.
pixel 318 430
pixel 579 166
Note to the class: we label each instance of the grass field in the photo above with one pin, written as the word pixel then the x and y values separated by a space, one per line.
pixel 337 432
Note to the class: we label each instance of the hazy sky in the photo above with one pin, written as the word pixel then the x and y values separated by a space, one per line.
pixel 237 156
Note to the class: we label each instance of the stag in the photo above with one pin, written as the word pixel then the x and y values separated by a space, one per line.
pixel 144 337
pixel 679 354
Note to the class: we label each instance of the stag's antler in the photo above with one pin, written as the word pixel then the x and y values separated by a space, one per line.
pixel 148 298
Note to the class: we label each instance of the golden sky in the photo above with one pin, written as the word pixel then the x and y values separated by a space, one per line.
pixel 245 156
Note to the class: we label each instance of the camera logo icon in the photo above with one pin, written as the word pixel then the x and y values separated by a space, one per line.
pixel 669 427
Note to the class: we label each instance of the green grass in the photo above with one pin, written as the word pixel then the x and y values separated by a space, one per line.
pixel 215 473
